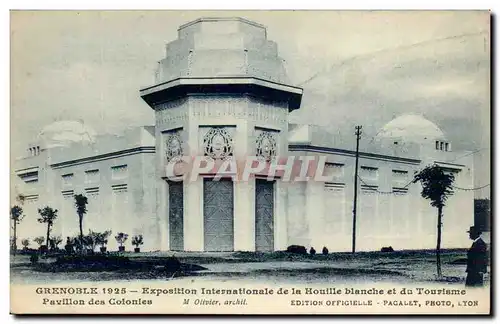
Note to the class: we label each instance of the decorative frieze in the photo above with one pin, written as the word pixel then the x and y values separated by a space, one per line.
pixel 172 104
pixel 248 108
pixel 218 106
pixel 268 111
pixel 171 112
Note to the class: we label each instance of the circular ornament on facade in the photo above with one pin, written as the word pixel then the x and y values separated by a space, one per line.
pixel 218 144
pixel 173 147
pixel 266 145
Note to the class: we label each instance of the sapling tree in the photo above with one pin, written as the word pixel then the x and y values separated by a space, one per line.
pixel 437 186
pixel 47 215
pixel 121 238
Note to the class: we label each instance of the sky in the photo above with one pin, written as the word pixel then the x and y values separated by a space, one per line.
pixel 356 68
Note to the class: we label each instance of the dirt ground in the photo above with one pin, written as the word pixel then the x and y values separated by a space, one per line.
pixel 369 267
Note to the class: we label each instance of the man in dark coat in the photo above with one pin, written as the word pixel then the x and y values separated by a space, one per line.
pixel 477 259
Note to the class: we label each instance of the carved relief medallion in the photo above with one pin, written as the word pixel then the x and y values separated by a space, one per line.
pixel 218 143
pixel 173 146
pixel 266 145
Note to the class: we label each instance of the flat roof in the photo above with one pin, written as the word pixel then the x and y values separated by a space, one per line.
pixel 222 84
pixel 214 19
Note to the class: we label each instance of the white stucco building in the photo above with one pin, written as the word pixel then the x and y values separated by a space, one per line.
pixel 222 91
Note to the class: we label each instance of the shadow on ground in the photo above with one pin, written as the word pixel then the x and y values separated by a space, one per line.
pixel 401 266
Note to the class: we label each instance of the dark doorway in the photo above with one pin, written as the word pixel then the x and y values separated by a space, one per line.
pixel 218 215
pixel 264 215
pixel 176 215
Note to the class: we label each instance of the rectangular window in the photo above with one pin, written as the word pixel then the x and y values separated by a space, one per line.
pixel 119 172
pixel 399 173
pixel 67 194
pixel 92 192
pixel 119 188
pixel 442 146
pixel 369 189
pixel 437 145
pixel 446 147
pixel 92 176
pixel 336 218
pixel 399 177
pixel 368 210
pixel 30 177
pixel 399 191
pixel 369 173
pixel 120 207
pixel 334 169
pixel 400 214
pixel 332 186
pixel 67 179
pixel 30 199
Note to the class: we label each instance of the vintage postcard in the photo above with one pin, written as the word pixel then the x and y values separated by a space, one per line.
pixel 250 162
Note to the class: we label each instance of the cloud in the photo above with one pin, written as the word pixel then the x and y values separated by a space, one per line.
pixel 443 79
pixel 368 67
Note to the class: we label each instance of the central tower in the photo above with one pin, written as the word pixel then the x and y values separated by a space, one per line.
pixel 221 91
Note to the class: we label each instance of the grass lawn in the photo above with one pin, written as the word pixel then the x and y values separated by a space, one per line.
pixel 402 266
